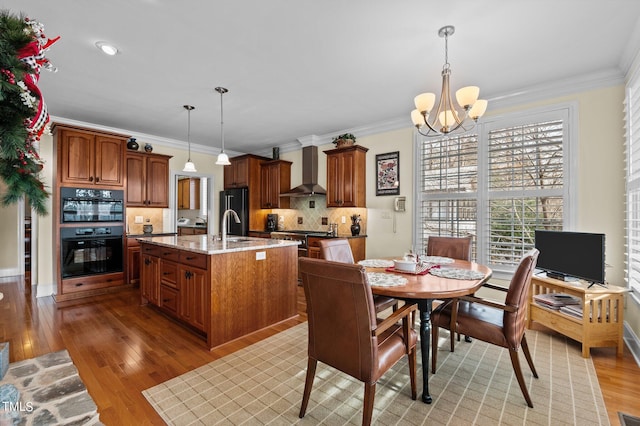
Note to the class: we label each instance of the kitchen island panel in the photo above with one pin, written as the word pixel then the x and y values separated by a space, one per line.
pixel 254 294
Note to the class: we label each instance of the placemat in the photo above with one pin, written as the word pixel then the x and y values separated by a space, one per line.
pixel 456 273
pixel 438 260
pixel 380 279
pixel 376 263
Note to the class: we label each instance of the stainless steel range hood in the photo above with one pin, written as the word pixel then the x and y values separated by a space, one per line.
pixel 309 175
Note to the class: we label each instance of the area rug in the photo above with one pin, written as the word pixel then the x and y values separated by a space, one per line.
pixel 263 384
pixel 51 391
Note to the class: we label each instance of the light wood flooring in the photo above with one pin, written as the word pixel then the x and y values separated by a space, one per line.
pixel 121 348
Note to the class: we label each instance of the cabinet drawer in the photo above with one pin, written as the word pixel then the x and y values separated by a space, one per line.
pixel 197 260
pixel 169 254
pixel 151 250
pixel 74 285
pixel 169 299
pixel 169 273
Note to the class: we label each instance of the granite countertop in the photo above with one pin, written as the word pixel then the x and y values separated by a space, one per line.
pixel 209 245
pixel 153 234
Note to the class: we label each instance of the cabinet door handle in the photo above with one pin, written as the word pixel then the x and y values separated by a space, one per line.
pixel 190 257
pixel 166 273
pixel 147 262
pixel 97 179
pixel 90 178
pixel 79 284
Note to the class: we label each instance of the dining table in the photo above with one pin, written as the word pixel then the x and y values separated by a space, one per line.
pixel 443 278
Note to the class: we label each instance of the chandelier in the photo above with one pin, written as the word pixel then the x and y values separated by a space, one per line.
pixel 223 159
pixel 189 166
pixel 446 118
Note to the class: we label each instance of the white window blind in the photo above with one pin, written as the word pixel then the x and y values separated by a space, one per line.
pixel 497 185
pixel 632 102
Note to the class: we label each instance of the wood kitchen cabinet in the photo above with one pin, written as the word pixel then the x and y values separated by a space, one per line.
pixel 147 180
pixel 149 278
pixel 189 194
pixel 133 261
pixel 346 177
pixel 192 284
pixel 89 159
pixel 237 174
pixel 275 178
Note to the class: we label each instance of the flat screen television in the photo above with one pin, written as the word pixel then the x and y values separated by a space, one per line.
pixel 571 254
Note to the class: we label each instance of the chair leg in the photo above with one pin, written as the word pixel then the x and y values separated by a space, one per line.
pixel 515 362
pixel 412 372
pixel 367 410
pixel 452 323
pixel 527 355
pixel 435 331
pixel 308 384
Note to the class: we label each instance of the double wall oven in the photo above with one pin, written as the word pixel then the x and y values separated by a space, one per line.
pixel 91 240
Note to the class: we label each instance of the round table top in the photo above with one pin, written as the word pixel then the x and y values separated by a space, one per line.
pixel 429 286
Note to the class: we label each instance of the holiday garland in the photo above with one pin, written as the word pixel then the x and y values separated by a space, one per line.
pixel 23 114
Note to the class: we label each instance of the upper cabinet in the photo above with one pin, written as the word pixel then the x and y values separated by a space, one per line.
pixel 346 177
pixel 147 180
pixel 189 194
pixel 87 158
pixel 237 175
pixel 275 178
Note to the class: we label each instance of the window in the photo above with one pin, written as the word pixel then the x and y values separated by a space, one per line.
pixel 497 185
pixel 632 102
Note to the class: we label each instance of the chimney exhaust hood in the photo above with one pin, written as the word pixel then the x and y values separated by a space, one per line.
pixel 309 175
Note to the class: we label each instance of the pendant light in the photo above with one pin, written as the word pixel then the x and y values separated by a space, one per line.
pixel 223 159
pixel 189 166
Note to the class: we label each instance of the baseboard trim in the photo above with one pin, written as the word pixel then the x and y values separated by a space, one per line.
pixel 44 290
pixel 632 342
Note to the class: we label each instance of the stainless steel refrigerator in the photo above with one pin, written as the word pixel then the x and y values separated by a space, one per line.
pixel 237 200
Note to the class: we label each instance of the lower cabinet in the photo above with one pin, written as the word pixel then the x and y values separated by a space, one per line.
pixel 177 282
pixel 150 278
pixel 192 285
pixel 132 267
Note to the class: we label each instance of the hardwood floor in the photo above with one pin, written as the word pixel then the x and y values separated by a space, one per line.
pixel 121 348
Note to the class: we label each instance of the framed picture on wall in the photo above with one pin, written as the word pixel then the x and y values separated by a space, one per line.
pixel 388 173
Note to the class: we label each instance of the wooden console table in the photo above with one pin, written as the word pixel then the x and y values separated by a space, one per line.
pixel 602 313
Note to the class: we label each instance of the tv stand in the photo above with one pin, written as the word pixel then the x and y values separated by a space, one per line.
pixel 602 313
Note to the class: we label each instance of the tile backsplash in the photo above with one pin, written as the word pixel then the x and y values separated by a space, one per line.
pixel 313 209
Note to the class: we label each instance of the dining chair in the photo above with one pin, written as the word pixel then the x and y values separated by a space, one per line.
pixel 454 248
pixel 339 250
pixel 344 332
pixel 501 324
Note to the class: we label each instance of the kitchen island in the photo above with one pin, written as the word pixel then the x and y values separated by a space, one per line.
pixel 221 292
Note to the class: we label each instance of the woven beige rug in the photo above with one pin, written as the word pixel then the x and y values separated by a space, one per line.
pixel 263 383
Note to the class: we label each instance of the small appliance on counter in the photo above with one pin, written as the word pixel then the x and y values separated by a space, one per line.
pixel 272 220
pixel 183 221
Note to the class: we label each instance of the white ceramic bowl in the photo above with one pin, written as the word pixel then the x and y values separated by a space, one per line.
pixel 406 266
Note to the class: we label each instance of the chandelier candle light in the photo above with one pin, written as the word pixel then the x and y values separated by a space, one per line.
pixel 189 166
pixel 223 159
pixel 446 115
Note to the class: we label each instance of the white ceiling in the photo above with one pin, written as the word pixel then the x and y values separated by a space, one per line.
pixel 302 67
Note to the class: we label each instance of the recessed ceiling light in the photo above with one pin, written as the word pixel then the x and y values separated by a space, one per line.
pixel 107 48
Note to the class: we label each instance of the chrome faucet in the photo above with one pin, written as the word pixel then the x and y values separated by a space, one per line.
pixel 225 215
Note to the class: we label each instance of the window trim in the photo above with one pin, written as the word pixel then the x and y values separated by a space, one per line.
pixel 568 112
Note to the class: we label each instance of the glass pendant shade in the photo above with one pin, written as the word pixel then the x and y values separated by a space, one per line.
pixel 425 101
pixel 189 166
pixel 223 159
pixel 478 109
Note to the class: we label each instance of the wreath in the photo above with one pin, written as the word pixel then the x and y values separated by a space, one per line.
pixel 23 113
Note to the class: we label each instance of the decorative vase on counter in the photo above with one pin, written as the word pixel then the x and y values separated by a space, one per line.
pixel 355 229
pixel 147 229
pixel 148 147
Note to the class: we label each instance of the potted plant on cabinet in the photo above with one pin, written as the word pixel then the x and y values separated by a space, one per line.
pixel 355 224
pixel 345 139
